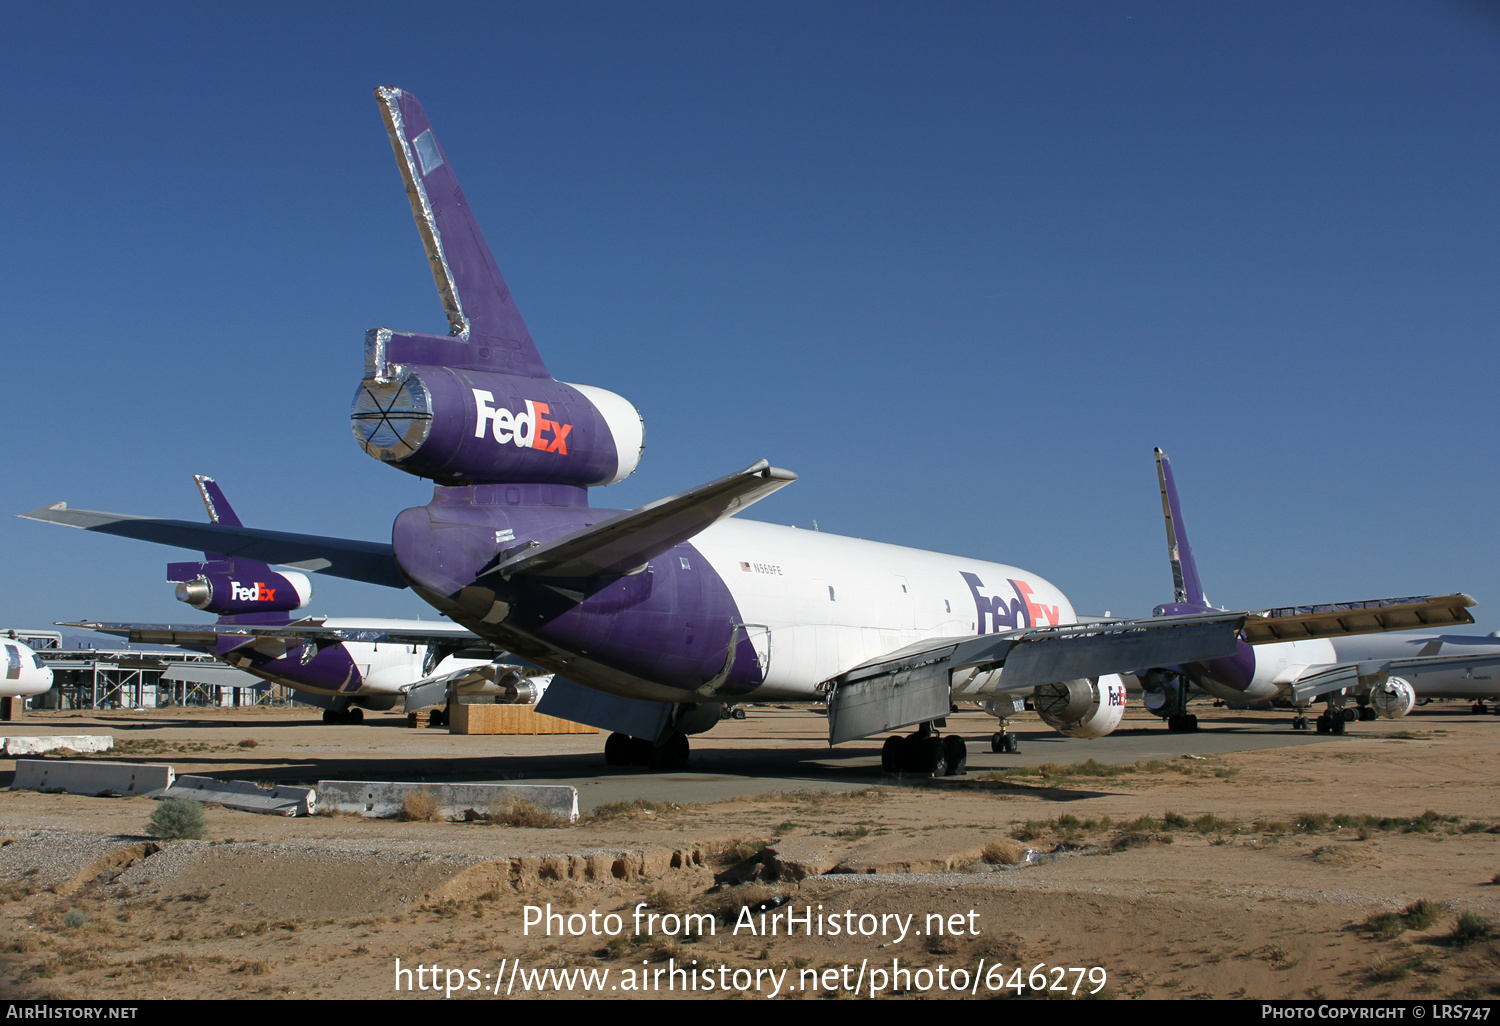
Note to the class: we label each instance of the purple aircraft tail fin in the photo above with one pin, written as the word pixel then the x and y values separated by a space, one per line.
pixel 1188 589
pixel 239 590
pixel 474 294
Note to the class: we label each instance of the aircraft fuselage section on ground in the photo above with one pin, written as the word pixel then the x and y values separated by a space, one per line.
pixel 746 609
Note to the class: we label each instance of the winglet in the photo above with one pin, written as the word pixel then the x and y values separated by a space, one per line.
pixel 473 292
pixel 1185 583
pixel 219 510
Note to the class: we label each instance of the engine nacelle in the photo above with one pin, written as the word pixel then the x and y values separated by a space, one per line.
pixel 462 426
pixel 1086 708
pixel 1393 699
pixel 217 587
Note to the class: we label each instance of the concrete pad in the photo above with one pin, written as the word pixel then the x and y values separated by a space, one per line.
pixel 385 799
pixel 244 795
pixel 93 778
pixel 11 747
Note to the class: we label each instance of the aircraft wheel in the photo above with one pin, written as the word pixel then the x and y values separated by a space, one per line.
pixel 1338 725
pixel 617 750
pixel 997 742
pixel 1366 714
pixel 640 752
pixel 928 757
pixel 354 715
pixel 329 716
pixel 1350 715
pixel 1012 743
pixel 893 754
pixel 738 714
pixel 1479 709
pixel 957 754
pixel 1323 723
pixel 676 752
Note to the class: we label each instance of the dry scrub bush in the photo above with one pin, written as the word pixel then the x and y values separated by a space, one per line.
pixel 420 807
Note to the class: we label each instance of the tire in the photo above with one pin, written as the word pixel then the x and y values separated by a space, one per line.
pixel 1350 715
pixel 893 754
pixel 1012 744
pixel 329 716
pixel 676 752
pixel 617 750
pixel 640 752
pixel 354 715
pixel 930 759
pixel 997 742
pixel 957 754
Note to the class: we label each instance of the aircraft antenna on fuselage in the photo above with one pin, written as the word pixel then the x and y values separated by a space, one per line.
pixel 1187 587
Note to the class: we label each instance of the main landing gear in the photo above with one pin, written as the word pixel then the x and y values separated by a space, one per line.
pixel 624 750
pixel 348 714
pixel 925 754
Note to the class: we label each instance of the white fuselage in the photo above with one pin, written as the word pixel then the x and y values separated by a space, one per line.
pixel 22 672
pixel 817 604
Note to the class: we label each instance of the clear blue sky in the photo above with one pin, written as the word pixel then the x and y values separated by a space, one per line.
pixel 960 266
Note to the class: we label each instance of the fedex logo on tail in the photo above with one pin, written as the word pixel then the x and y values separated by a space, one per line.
pixel 257 592
pixel 524 430
pixel 998 613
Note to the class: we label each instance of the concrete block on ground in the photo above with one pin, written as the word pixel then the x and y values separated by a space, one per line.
pixel 14 746
pixel 489 718
pixel 97 778
pixel 244 795
pixel 384 799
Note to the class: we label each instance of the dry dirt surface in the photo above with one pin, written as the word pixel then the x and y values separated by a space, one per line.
pixel 1363 867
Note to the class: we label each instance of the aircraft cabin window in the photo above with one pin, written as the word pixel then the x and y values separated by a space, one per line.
pixel 684 562
pixel 947 606
pixel 830 594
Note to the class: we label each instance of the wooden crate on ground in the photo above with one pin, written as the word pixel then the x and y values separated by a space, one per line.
pixel 509 719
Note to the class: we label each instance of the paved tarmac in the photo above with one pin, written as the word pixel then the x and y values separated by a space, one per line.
pixel 777 748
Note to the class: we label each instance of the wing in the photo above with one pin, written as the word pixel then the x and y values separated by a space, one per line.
pixel 1320 680
pixel 207 635
pixel 916 684
pixel 920 682
pixel 371 562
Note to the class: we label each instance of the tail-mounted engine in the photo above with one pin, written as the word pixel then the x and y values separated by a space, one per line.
pixel 1393 699
pixel 1086 708
pixel 221 587
pixel 461 425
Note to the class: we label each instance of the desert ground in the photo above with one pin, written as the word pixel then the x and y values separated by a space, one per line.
pixel 1170 866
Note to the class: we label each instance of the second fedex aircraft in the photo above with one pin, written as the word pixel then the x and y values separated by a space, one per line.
pixel 655 618
pixel 412 661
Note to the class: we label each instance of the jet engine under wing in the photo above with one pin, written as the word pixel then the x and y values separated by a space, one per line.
pixel 1324 679
pixel 371 562
pixel 1294 623
pixel 625 543
pixel 915 684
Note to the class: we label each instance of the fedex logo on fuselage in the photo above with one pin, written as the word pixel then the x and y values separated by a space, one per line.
pixel 524 430
pixel 257 592
pixel 998 613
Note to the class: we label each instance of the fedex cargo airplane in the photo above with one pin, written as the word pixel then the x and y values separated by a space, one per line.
pixel 656 618
pixel 412 661
pixel 1385 674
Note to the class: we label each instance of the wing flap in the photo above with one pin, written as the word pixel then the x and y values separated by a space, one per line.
pixel 370 562
pixel 1295 623
pixel 205 635
pixel 627 542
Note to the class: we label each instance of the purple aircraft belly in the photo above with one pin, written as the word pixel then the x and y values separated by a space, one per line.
pixel 330 670
pixel 671 624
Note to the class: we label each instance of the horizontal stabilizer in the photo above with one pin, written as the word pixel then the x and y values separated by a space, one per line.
pixel 627 542
pixel 370 562
pixel 1294 623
